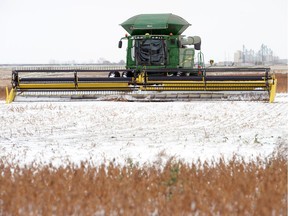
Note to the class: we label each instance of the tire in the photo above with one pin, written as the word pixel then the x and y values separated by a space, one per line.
pixel 180 73
pixel 114 74
pixel 127 74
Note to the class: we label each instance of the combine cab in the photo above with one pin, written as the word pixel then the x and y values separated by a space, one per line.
pixel 160 66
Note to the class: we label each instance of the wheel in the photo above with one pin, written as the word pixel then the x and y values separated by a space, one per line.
pixel 114 74
pixel 180 73
pixel 127 74
pixel 170 74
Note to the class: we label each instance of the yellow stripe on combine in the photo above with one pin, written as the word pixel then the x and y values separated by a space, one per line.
pixel 102 85
pixel 10 96
pixel 47 86
pixel 272 92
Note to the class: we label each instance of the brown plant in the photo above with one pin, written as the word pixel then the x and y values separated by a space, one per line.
pixel 222 187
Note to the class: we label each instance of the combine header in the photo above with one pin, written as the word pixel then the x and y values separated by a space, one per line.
pixel 160 66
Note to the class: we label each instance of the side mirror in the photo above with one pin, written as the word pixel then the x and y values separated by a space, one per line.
pixel 197 46
pixel 120 44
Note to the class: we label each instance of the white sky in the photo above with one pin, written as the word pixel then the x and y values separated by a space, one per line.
pixel 37 31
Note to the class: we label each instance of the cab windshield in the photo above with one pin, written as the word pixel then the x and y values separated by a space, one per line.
pixel 150 52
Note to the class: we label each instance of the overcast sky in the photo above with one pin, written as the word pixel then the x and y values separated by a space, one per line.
pixel 38 31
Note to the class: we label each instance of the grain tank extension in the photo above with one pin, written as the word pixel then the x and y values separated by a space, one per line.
pixel 162 64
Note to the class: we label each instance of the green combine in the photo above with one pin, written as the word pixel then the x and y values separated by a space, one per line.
pixel 161 65
pixel 156 42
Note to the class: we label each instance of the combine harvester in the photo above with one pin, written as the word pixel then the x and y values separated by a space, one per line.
pixel 160 66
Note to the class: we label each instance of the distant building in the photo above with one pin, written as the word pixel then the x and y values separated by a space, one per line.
pixel 238 57
pixel 249 57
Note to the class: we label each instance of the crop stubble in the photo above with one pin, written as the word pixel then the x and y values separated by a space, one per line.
pixel 232 187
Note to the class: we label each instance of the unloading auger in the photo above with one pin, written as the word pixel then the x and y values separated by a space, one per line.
pixel 160 66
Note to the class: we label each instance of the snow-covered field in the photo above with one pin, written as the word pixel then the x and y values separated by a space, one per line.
pixel 141 133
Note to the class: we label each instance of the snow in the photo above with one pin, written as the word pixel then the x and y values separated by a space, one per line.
pixel 141 133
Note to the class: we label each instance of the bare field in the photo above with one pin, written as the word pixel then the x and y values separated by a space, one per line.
pixel 282 82
pixel 5 80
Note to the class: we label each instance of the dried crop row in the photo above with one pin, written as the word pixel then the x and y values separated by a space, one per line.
pixel 282 82
pixel 230 187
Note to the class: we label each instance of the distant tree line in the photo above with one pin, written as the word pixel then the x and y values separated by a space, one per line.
pixel 100 61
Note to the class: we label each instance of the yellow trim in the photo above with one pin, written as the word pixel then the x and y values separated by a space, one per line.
pixel 102 85
pixel 207 82
pixel 47 86
pixel 11 96
pixel 7 93
pixel 273 87
pixel 198 88
pixel 141 78
pixel 216 84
